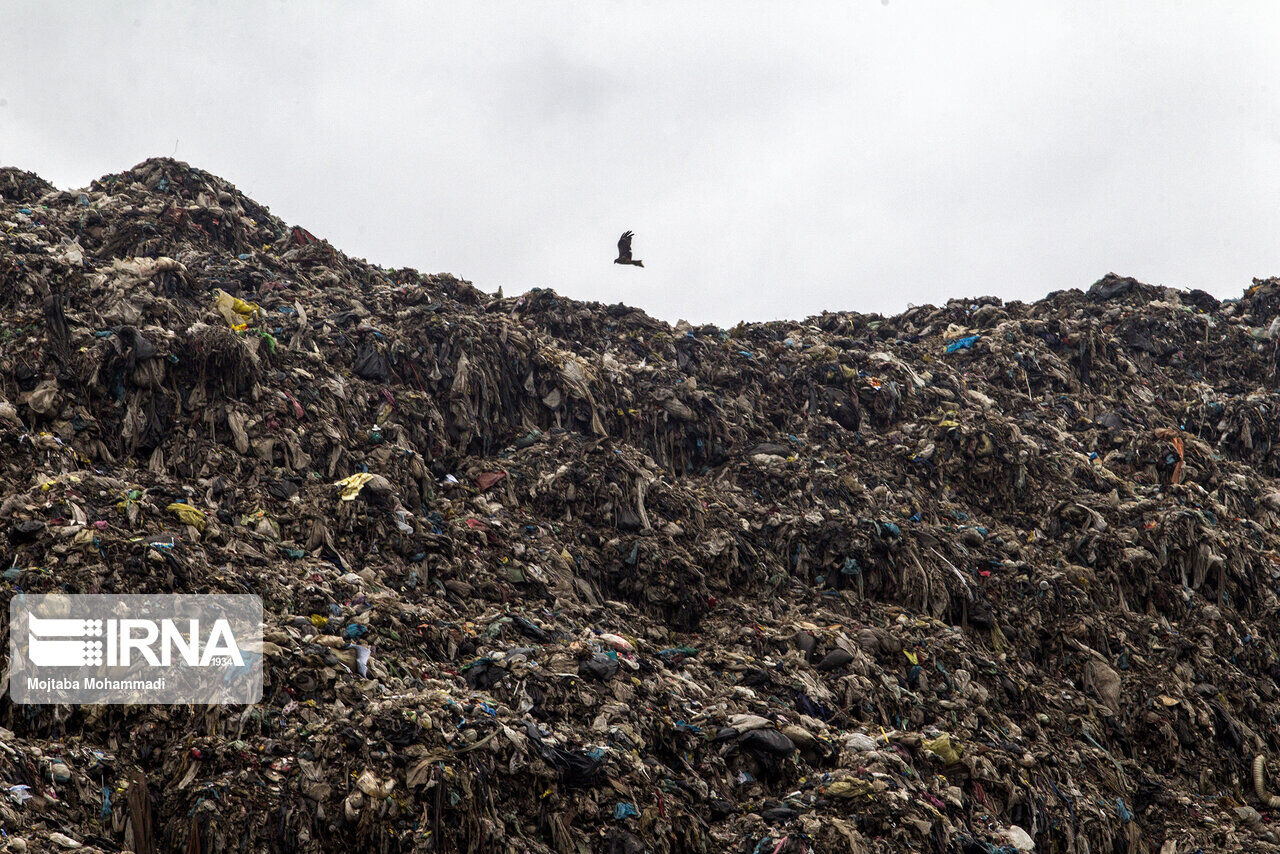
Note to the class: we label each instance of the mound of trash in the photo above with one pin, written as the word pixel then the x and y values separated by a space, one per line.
pixel 542 575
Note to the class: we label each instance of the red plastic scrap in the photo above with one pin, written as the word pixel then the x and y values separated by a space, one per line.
pixel 489 478
pixel 301 237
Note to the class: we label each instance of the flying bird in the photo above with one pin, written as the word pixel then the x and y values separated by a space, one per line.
pixel 624 251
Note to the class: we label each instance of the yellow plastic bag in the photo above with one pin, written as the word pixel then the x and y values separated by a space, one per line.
pixel 352 485
pixel 193 516
pixel 235 310
pixel 848 788
pixel 944 749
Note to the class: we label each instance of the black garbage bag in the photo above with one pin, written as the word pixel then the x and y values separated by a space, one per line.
pixel 1112 286
pixel 781 813
pixel 25 531
pixel 625 842
pixel 577 769
pixel 530 630
pixel 371 363
pixel 599 666
pixel 768 741
pixel 835 659
pixel 806 705
pixel 483 674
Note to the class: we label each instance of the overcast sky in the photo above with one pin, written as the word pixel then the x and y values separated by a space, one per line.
pixel 773 159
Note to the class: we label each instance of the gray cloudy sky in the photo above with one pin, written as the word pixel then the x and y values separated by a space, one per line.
pixel 774 160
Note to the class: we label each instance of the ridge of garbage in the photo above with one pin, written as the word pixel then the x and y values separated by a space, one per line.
pixel 542 575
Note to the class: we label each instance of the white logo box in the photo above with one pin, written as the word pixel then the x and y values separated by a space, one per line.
pixel 135 649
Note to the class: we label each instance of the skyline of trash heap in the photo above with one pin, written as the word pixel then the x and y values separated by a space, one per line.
pixel 542 575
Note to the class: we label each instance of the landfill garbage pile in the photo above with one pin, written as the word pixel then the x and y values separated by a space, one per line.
pixel 549 576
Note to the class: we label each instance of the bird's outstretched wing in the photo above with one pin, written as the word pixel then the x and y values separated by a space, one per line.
pixel 624 246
